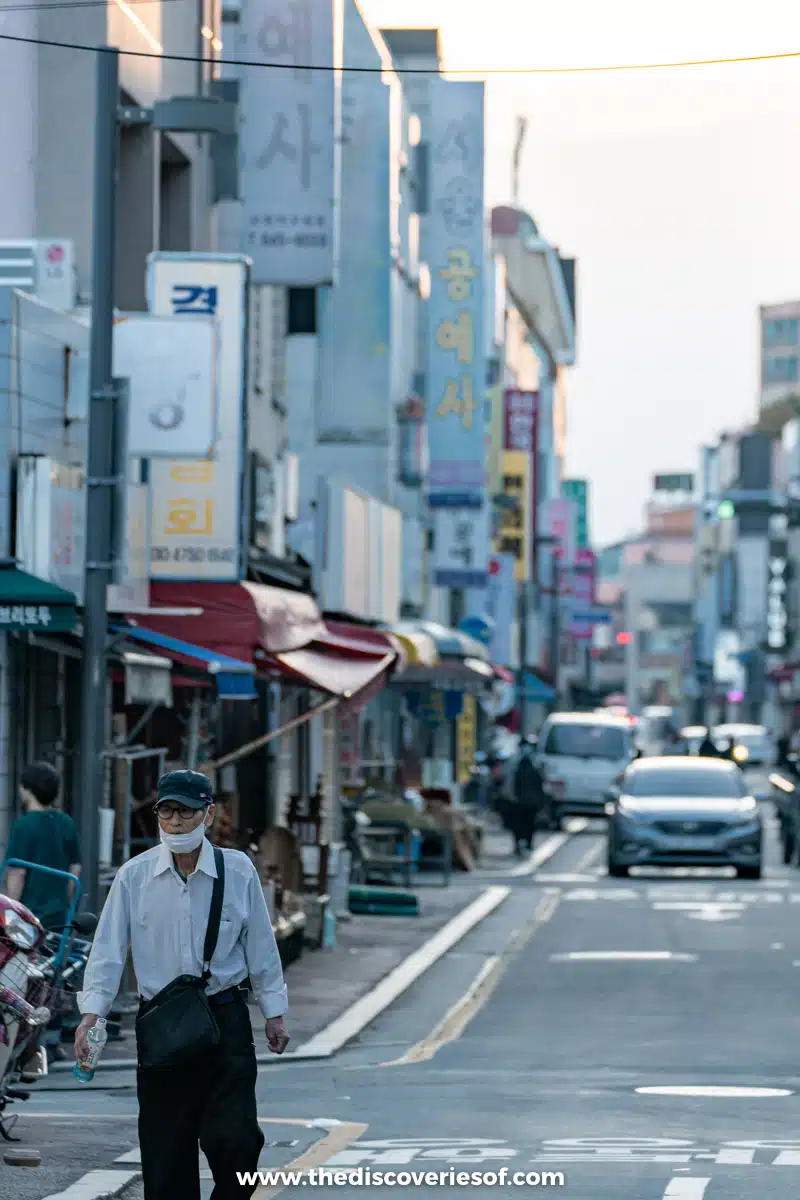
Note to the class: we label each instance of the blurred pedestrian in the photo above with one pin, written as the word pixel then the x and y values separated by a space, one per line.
pixel 708 747
pixel 528 799
pixel 675 744
pixel 197 923
pixel 46 836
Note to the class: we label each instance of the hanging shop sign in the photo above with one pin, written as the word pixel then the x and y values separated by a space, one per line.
pixel 778 587
pixel 196 503
pixel 455 237
pixel 462 537
pixel 289 139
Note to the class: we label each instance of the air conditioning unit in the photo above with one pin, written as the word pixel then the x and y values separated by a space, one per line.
pixel 44 267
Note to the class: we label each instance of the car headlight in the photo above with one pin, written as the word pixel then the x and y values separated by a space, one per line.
pixel 741 754
pixel 19 931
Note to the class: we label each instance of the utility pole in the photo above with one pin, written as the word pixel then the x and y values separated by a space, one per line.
pixel 100 482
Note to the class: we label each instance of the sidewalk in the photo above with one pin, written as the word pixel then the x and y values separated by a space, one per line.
pixel 322 984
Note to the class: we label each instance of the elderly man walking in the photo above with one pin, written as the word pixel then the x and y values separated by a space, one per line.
pixel 198 927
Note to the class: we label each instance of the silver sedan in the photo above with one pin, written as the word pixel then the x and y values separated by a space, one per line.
pixel 695 812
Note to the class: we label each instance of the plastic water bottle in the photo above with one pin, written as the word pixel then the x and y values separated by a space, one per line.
pixel 97 1038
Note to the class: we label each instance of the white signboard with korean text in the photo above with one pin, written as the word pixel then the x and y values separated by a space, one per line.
pixel 196 504
pixel 456 256
pixel 171 366
pixel 51 522
pixel 288 139
pixel 461 547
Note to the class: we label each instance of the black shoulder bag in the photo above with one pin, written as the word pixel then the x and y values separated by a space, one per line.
pixel 178 1026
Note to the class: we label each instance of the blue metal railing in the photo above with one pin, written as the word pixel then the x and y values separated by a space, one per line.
pixel 61 953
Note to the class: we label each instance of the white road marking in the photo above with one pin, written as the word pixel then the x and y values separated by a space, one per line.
pixel 623 956
pixel 96 1185
pixel 567 878
pixel 594 852
pixel 365 1010
pixel 689 1187
pixel 719 1092
pixel 547 849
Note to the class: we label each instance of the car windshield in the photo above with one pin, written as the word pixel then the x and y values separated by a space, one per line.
pixel 584 740
pixel 745 736
pixel 680 781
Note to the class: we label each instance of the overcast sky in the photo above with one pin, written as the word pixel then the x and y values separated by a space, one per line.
pixel 677 190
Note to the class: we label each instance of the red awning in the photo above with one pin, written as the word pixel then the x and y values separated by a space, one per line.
pixel 348 661
pixel 237 618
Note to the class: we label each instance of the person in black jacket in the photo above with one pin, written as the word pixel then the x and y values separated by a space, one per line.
pixel 708 748
pixel 528 798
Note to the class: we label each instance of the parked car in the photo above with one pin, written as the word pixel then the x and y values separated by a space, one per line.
pixel 756 740
pixel 694 812
pixel 580 756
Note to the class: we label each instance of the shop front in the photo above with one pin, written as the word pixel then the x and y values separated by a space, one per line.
pixel 441 688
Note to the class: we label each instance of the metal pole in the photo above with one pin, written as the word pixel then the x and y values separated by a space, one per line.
pixel 555 630
pixel 100 466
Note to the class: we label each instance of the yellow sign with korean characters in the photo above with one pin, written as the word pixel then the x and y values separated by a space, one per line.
pixel 466 739
pixel 514 535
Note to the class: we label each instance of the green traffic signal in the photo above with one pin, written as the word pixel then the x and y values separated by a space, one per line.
pixel 726 510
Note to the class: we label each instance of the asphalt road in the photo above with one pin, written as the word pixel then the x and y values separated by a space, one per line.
pixel 589 990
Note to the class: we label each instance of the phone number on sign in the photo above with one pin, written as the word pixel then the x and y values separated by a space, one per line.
pixel 191 555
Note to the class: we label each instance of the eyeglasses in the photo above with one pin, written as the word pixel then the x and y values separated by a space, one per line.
pixel 165 812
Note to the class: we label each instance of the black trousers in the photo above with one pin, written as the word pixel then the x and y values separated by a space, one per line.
pixel 211 1104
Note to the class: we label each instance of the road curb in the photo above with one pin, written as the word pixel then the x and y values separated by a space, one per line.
pixel 362 1012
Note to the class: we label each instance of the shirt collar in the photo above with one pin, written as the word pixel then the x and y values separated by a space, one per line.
pixel 205 862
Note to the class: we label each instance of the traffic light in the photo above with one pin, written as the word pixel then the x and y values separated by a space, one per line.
pixel 726 510
pixel 624 639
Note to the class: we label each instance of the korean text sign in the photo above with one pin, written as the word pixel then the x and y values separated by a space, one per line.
pixel 514 534
pixel 456 366
pixel 196 506
pixel 462 547
pixel 288 138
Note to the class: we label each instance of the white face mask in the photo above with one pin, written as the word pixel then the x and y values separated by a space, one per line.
pixel 184 843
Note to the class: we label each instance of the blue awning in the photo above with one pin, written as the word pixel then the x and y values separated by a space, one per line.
pixel 234 678
pixel 535 690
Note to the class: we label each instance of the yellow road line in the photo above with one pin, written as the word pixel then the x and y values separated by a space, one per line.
pixel 335 1140
pixel 480 991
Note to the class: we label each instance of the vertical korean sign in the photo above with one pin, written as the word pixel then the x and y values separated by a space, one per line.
pixel 521 436
pixel 288 139
pixel 456 357
pixel 196 504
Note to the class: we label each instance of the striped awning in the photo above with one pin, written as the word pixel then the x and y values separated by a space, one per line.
pixel 419 647
pixel 452 643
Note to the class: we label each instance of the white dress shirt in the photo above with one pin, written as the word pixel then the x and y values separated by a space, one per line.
pixel 164 918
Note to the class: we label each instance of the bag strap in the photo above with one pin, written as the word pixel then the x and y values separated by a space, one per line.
pixel 214 913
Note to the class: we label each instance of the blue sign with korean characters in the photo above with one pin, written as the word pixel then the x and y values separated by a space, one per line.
pixel 456 383
pixel 196 505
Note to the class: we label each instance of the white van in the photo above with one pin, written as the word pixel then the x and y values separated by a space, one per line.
pixel 581 755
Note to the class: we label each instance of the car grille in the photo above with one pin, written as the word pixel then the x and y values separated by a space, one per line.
pixel 690 828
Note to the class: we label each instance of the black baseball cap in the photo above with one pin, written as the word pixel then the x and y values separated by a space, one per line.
pixel 185 787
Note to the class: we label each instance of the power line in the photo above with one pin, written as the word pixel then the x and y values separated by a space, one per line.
pixel 4 8
pixel 239 62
